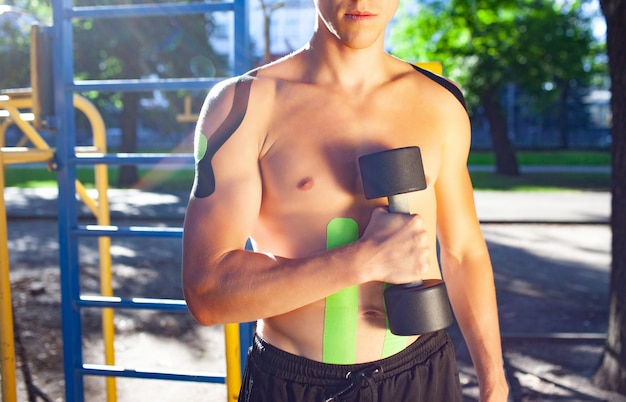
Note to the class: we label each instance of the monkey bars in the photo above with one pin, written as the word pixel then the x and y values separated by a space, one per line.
pixel 52 102
pixel 63 87
pixel 12 105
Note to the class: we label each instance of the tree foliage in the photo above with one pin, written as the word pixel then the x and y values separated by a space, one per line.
pixel 15 24
pixel 140 47
pixel 14 51
pixel 170 46
pixel 116 48
pixel 485 45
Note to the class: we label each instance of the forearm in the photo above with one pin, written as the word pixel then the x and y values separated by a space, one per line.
pixel 471 289
pixel 245 286
pixel 223 284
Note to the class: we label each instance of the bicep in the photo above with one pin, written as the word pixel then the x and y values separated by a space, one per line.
pixel 458 229
pixel 226 196
pixel 216 226
pixel 222 222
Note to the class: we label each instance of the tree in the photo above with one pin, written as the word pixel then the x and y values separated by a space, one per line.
pixel 485 45
pixel 268 9
pixel 14 50
pixel 131 48
pixel 15 21
pixel 611 373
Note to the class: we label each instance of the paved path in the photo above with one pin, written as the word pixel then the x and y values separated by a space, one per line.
pixel 565 206
pixel 492 206
pixel 546 169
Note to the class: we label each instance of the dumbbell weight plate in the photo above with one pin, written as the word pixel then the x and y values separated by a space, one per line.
pixel 391 172
pixel 421 309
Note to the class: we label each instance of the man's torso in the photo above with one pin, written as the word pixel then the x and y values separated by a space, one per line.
pixel 312 137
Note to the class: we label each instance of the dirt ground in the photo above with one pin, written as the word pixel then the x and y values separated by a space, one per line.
pixel 144 339
pixel 550 278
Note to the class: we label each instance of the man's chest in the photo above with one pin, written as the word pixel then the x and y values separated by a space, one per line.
pixel 326 137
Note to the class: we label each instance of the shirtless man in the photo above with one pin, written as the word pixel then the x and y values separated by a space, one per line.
pixel 276 153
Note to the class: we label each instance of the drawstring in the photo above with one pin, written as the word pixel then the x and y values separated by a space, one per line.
pixel 362 377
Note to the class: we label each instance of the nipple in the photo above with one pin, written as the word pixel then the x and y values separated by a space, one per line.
pixel 305 184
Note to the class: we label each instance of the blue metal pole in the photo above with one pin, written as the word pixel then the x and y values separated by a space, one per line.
pixel 246 329
pixel 243 61
pixel 63 76
pixel 141 85
pixel 173 375
pixel 147 10
pixel 69 231
pixel 246 334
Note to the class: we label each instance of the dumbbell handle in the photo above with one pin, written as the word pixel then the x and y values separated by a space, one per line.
pixel 399 204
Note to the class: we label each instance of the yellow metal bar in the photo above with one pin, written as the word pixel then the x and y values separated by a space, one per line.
pixel 7 347
pixel 11 105
pixel 14 155
pixel 20 101
pixel 86 199
pixel 23 141
pixel 100 209
pixel 108 328
pixel 433 66
pixel 187 116
pixel 3 131
pixel 233 365
pixel 10 155
pixel 25 126
pixel 95 120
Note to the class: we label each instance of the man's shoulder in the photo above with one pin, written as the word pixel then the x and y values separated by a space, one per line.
pixel 445 84
pixel 240 91
pixel 231 84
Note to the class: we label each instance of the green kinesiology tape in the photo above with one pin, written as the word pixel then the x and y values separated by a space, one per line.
pixel 342 308
pixel 393 343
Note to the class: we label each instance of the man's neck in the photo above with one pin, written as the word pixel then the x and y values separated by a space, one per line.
pixel 332 63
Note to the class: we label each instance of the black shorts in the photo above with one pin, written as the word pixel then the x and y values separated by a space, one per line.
pixel 425 371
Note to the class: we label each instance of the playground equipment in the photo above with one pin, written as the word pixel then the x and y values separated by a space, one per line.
pixel 12 104
pixel 52 101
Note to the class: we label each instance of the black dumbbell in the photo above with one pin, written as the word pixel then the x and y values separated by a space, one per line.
pixel 412 308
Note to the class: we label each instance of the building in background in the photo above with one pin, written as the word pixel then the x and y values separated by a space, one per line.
pixel 290 27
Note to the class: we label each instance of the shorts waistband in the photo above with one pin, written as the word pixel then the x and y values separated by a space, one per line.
pixel 290 367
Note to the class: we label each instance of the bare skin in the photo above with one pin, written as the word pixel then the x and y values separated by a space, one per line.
pixel 291 166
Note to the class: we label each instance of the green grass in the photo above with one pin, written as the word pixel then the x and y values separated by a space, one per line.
pixel 542 182
pixel 170 180
pixel 547 158
pixel 180 180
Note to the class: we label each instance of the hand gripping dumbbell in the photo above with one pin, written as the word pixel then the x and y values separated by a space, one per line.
pixel 418 307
